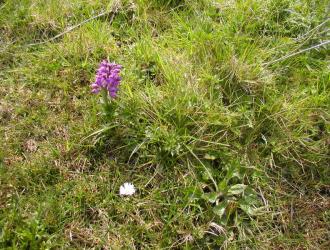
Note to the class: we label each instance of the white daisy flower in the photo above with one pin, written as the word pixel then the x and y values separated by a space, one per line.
pixel 127 189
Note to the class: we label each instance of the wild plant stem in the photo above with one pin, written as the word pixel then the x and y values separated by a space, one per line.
pixel 296 53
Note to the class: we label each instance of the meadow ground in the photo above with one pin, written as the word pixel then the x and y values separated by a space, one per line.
pixel 227 146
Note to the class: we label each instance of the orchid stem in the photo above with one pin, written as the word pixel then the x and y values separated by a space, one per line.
pixel 106 100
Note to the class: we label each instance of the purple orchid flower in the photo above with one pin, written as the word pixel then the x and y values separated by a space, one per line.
pixel 107 77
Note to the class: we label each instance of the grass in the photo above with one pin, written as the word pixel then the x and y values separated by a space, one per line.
pixel 225 149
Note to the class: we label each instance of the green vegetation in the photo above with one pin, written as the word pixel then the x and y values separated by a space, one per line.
pixel 224 147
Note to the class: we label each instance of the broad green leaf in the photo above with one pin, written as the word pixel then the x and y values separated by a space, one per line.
pixel 236 189
pixel 250 210
pixel 220 209
pixel 210 197
pixel 222 185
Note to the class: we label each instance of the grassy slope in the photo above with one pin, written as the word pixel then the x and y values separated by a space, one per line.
pixel 196 95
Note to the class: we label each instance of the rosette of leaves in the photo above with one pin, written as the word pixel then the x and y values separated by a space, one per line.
pixel 232 199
